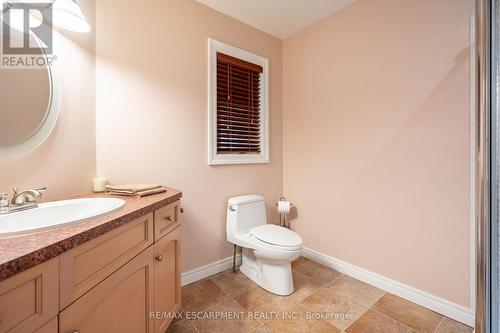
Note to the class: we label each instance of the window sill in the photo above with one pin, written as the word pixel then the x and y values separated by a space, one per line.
pixel 238 159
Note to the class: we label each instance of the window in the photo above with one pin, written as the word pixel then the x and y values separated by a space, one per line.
pixel 238 106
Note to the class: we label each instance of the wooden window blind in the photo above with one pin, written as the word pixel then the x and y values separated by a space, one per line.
pixel 238 106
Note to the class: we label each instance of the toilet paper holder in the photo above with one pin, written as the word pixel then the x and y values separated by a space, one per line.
pixel 282 217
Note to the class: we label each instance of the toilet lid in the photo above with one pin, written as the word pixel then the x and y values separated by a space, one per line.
pixel 276 235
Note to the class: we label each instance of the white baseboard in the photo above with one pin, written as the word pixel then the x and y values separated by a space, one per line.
pixel 437 304
pixel 208 270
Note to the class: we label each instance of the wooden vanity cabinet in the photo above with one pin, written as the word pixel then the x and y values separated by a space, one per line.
pixel 113 283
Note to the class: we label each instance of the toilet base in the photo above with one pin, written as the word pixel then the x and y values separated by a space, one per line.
pixel 274 276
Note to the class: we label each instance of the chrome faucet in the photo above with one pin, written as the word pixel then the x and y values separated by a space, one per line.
pixel 20 200
pixel 27 196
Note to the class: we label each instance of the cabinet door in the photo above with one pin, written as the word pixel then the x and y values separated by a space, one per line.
pixel 29 299
pixel 121 303
pixel 167 277
pixel 49 327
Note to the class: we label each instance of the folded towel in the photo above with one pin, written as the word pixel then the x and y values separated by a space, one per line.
pixel 131 188
pixel 151 192
pixel 140 190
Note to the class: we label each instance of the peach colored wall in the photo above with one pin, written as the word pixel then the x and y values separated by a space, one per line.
pixel 152 117
pixel 65 163
pixel 376 140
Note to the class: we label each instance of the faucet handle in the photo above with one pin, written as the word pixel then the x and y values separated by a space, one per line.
pixel 4 200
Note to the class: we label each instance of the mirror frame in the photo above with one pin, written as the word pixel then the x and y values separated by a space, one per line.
pixel 45 129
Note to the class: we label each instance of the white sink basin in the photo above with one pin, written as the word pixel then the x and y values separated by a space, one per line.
pixel 57 213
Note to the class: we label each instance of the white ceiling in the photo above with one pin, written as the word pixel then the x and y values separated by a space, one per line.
pixel 280 18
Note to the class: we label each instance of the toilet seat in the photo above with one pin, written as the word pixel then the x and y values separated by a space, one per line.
pixel 277 237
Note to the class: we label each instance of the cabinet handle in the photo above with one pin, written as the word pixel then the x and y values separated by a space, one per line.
pixel 182 210
pixel 159 258
pixel 168 218
pixel 76 331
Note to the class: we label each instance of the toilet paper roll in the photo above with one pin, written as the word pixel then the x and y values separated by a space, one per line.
pixel 284 207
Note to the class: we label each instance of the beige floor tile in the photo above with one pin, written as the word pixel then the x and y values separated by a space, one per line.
pixel 236 319
pixel 361 292
pixel 296 320
pixel 261 329
pixel 339 310
pixel 374 322
pixel 180 316
pixel 322 274
pixel 299 261
pixel 451 326
pixel 304 287
pixel 201 295
pixel 232 283
pixel 184 326
pixel 260 300
pixel 341 301
pixel 410 314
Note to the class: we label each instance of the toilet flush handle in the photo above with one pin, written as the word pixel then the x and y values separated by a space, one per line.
pixel 231 208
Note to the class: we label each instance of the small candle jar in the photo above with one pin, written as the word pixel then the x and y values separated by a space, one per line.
pixel 99 184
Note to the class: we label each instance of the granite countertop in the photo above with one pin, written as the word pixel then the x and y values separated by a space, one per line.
pixel 21 252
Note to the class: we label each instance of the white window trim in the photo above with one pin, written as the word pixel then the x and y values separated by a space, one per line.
pixel 215 46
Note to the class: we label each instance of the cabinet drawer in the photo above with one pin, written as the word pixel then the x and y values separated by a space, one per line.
pixel 29 299
pixel 166 219
pixel 88 264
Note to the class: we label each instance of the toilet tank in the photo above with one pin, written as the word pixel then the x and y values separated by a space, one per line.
pixel 244 213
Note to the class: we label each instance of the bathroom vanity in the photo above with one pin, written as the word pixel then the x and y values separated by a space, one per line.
pixel 107 274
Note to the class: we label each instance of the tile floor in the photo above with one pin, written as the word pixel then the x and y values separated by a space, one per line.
pixel 324 301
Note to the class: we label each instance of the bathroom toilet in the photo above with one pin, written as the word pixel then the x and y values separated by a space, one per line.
pixel 268 249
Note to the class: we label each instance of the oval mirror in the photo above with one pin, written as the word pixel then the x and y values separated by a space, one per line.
pixel 30 100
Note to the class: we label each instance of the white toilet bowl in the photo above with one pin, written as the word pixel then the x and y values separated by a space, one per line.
pixel 268 249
